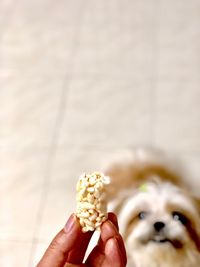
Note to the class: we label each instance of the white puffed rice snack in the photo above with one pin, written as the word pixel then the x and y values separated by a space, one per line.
pixel 91 206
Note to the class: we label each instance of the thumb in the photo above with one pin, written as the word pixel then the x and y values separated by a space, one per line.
pixel 69 245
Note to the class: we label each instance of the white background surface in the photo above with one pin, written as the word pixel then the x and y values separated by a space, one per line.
pixel 80 80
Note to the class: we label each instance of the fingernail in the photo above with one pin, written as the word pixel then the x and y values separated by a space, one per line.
pixel 70 223
pixel 113 218
pixel 114 242
pixel 111 228
pixel 112 247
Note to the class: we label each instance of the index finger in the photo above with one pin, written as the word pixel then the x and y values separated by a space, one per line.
pixel 110 250
pixel 69 245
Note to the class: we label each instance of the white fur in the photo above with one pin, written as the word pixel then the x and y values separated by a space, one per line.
pixel 154 198
pixel 155 201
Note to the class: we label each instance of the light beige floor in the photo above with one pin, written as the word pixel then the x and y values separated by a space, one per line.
pixel 80 80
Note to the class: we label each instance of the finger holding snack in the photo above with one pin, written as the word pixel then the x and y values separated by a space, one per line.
pixel 69 246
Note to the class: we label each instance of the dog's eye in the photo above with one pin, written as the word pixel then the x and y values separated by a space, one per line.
pixel 177 216
pixel 142 215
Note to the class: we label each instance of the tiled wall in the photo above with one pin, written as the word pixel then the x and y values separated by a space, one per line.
pixel 80 80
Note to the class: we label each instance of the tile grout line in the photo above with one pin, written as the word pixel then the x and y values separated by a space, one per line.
pixel 154 69
pixel 55 143
pixel 100 147
pixel 47 176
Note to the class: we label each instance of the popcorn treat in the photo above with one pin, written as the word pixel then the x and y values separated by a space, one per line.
pixel 91 206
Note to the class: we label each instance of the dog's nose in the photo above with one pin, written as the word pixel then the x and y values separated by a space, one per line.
pixel 159 226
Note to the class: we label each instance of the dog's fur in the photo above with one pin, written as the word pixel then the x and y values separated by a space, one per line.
pixel 158 216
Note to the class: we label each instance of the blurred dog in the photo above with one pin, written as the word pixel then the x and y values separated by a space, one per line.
pixel 158 216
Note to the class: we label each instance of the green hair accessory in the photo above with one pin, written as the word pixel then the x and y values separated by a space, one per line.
pixel 143 188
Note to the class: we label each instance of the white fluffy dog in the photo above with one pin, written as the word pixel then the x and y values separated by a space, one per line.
pixel 158 216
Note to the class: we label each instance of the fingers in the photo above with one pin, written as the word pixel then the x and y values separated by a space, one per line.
pixel 74 265
pixel 113 218
pixel 69 245
pixel 110 250
pixel 110 231
pixel 113 254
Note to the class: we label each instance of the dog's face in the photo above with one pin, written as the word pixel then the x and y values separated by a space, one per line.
pixel 160 223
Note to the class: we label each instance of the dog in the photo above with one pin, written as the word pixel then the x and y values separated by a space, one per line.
pixel 159 217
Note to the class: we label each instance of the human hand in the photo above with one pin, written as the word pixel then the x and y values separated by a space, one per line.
pixel 69 246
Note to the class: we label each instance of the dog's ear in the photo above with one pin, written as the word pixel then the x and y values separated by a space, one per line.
pixel 120 169
pixel 130 169
pixel 197 201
